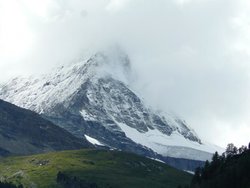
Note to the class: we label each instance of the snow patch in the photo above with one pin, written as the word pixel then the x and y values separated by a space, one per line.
pixel 87 116
pixel 93 140
pixel 157 160
pixel 190 172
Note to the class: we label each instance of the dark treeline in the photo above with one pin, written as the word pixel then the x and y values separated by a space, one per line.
pixel 9 185
pixel 229 170
pixel 73 182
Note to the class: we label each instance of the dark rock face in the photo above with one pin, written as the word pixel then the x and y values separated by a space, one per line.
pixel 25 132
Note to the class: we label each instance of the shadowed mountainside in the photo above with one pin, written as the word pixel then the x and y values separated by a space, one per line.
pixel 24 132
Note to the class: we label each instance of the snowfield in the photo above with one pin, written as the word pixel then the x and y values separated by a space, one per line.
pixel 174 145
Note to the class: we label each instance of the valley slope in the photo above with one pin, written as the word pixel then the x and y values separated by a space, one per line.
pixel 93 168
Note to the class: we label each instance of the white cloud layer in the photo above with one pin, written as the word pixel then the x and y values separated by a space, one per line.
pixel 191 56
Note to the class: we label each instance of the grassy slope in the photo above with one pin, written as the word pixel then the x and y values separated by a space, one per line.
pixel 117 169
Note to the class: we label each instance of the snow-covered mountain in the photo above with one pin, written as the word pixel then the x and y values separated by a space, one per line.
pixel 92 98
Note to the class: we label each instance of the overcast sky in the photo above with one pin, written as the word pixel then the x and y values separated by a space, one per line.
pixel 190 56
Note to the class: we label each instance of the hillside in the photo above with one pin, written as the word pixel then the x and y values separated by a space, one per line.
pixel 24 132
pixel 96 168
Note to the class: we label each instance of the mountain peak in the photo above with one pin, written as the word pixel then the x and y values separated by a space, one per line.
pixel 92 98
pixel 39 92
pixel 112 61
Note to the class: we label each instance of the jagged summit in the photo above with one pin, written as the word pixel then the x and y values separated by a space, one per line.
pixel 43 92
pixel 92 98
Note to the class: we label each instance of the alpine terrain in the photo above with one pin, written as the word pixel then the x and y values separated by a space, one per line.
pixel 93 99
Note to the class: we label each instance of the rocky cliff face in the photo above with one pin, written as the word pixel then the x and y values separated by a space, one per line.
pixel 92 99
